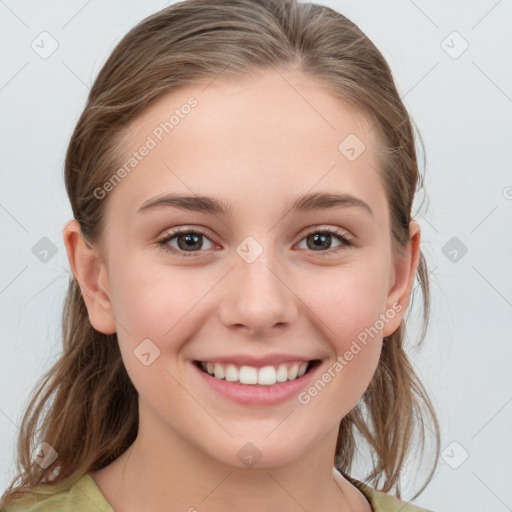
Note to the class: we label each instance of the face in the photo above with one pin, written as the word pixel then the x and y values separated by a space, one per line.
pixel 271 279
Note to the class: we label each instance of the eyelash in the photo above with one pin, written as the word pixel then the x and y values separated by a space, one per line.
pixel 346 243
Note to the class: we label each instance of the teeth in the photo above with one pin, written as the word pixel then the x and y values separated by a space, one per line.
pixel 292 372
pixel 218 371
pixel 265 376
pixel 248 375
pixel 302 369
pixel 231 373
pixel 282 373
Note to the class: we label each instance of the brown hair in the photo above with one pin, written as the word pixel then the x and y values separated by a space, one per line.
pixel 85 406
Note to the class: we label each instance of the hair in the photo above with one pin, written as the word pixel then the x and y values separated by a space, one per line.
pixel 85 406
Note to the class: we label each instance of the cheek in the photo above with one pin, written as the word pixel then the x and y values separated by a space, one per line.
pixel 166 305
pixel 155 305
pixel 351 311
pixel 156 316
pixel 349 300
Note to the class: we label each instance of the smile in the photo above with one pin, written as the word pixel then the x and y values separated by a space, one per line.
pixel 264 376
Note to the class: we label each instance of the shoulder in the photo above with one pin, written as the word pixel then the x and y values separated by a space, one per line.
pixel 81 496
pixel 382 502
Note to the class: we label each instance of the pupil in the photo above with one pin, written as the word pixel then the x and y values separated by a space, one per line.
pixel 189 237
pixel 319 239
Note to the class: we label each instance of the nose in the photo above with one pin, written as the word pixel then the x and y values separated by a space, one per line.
pixel 257 300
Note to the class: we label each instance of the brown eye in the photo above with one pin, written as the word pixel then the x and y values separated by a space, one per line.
pixel 322 241
pixel 188 242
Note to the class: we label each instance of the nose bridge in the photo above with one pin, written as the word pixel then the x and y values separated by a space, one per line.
pixel 257 295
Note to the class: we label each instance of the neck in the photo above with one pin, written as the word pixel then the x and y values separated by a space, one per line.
pixel 162 470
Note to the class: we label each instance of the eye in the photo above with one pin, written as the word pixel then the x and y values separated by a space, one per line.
pixel 321 239
pixel 189 241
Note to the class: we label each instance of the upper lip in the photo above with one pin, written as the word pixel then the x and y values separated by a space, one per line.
pixel 252 360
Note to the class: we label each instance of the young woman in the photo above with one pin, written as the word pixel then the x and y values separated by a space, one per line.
pixel 243 254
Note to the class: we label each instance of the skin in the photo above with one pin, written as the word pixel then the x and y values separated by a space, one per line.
pixel 256 143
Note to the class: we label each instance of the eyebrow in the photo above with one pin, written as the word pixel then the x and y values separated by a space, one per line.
pixel 210 205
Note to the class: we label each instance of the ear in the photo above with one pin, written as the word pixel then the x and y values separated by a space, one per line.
pixel 405 267
pixel 91 273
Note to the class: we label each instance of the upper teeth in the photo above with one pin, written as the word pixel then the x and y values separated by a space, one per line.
pixel 266 376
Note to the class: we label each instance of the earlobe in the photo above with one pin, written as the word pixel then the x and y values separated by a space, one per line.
pixel 90 272
pixel 405 268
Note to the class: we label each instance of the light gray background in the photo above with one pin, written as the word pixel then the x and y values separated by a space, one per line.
pixel 462 105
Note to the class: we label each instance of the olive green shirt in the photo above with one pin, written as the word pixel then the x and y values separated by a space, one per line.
pixel 84 496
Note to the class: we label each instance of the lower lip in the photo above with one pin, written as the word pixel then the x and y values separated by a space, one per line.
pixel 254 394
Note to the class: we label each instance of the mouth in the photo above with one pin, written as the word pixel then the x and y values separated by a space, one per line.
pixel 263 376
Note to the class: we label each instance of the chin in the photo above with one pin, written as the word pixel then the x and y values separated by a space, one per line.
pixel 258 452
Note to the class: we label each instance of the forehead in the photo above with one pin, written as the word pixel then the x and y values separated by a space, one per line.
pixel 274 131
